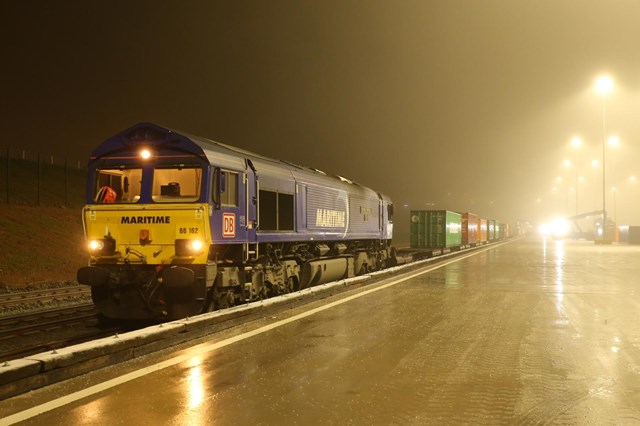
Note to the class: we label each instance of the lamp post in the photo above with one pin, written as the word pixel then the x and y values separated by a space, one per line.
pixel 614 142
pixel 604 86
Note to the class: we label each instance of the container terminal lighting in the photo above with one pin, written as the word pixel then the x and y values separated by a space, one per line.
pixel 576 141
pixel 604 86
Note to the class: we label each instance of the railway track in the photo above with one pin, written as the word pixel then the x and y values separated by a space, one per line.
pixel 28 334
pixel 24 351
pixel 33 322
pixel 22 324
pixel 43 295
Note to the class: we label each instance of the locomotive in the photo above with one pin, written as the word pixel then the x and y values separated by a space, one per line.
pixel 178 225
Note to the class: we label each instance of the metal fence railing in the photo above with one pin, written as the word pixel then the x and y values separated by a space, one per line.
pixel 37 179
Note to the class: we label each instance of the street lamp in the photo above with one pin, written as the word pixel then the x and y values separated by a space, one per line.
pixel 604 86
pixel 576 142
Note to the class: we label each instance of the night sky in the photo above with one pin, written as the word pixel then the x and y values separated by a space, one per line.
pixel 463 104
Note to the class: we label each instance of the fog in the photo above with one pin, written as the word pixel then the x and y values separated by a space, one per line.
pixel 463 105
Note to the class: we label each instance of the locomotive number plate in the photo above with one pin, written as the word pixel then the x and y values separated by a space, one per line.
pixel 188 230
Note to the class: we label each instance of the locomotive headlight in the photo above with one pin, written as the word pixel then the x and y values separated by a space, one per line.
pixel 105 246
pixel 96 245
pixel 189 247
pixel 196 246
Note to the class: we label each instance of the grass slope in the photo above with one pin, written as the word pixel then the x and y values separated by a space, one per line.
pixel 40 244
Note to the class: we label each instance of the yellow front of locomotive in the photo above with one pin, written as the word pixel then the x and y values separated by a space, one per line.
pixel 147 229
pixel 147 234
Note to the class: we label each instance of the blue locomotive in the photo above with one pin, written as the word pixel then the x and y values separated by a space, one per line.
pixel 177 225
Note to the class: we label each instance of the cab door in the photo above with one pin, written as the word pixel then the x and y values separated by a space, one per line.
pixel 228 221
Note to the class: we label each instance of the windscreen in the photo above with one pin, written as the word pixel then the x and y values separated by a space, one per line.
pixel 117 185
pixel 176 183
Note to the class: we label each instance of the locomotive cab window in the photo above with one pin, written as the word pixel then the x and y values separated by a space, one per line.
pixel 225 184
pixel 117 185
pixel 177 183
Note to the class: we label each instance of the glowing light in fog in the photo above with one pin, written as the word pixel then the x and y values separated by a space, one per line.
pixel 576 141
pixel 557 228
pixel 604 85
pixel 145 153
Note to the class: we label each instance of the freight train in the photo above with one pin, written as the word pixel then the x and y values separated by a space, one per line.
pixel 179 225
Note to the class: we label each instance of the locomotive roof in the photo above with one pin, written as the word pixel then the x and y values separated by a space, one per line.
pixel 166 138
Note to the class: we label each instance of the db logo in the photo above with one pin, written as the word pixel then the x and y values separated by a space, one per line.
pixel 228 225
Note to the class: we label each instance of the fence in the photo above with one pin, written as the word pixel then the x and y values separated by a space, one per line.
pixel 36 179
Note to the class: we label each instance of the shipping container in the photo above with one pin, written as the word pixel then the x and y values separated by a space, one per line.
pixel 634 235
pixel 623 233
pixel 500 235
pixel 418 229
pixel 435 229
pixel 491 230
pixel 483 235
pixel 470 225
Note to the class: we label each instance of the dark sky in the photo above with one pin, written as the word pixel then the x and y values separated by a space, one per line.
pixel 469 105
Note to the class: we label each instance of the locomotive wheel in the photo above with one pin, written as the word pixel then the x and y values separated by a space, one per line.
pixel 210 303
pixel 223 299
pixel 231 298
pixel 292 284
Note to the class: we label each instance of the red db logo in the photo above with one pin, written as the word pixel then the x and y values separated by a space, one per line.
pixel 228 225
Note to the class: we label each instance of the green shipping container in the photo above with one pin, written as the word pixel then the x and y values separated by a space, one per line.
pixel 435 229
pixel 418 230
pixel 491 233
